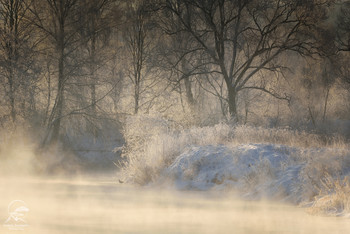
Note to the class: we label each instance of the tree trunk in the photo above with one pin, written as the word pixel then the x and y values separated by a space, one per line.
pixel 93 66
pixel 312 117
pixel 231 90
pixel 12 95
pixel 11 46
pixel 93 98
pixel 137 97
pixel 189 94
pixel 325 104
pixel 48 100
pixel 232 105
pixel 188 84
pixel 59 107
pixel 60 91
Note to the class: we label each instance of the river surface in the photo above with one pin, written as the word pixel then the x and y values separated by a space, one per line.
pixel 101 205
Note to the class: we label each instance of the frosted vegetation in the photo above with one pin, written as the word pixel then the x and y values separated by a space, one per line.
pixel 275 163
pixel 248 96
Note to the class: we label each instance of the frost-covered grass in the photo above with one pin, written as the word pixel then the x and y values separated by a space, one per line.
pixel 247 134
pixel 152 144
pixel 333 197
pixel 282 164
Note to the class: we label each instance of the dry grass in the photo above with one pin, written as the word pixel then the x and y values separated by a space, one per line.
pixel 333 197
pixel 284 136
pixel 153 144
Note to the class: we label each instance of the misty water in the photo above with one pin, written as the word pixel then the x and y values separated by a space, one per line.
pixel 101 205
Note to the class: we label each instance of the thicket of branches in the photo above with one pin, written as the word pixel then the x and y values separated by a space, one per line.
pixel 80 63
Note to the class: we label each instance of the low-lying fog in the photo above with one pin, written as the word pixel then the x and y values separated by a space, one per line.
pixel 101 205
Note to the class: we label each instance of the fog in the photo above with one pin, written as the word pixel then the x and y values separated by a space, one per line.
pixel 99 205
pixel 162 116
pixel 145 196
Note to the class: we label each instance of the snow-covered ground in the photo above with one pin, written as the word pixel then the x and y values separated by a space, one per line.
pixel 256 163
pixel 258 171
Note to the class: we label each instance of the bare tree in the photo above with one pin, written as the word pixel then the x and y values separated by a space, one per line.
pixel 318 78
pixel 17 62
pixel 139 45
pixel 342 42
pixel 56 21
pixel 243 38
pixel 95 32
pixel 174 58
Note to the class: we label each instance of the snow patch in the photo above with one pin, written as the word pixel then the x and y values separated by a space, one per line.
pixel 204 167
pixel 254 170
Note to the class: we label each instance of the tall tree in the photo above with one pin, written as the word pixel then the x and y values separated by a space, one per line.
pixel 175 58
pixel 56 20
pixel 243 38
pixel 17 55
pixel 138 42
pixel 343 41
pixel 95 31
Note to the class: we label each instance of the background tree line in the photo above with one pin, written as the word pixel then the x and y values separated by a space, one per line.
pixel 77 64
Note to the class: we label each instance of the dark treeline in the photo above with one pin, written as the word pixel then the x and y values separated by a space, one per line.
pixel 76 64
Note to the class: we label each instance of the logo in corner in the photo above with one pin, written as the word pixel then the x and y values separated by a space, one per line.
pixel 17 210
